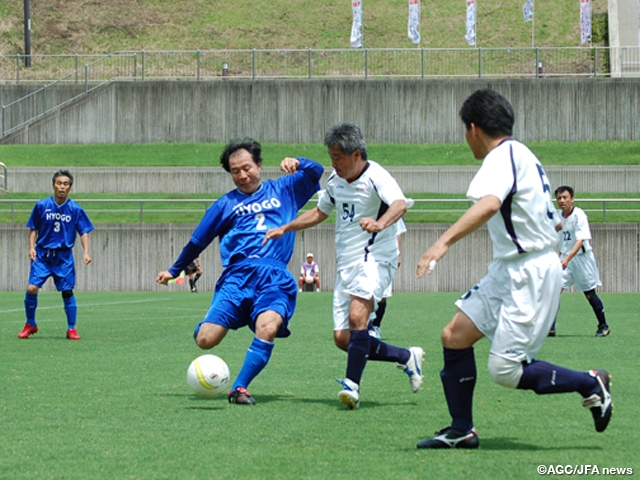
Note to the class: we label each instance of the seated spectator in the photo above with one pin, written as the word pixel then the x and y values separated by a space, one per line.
pixel 309 273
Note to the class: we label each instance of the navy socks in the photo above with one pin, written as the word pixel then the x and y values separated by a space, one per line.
pixel 545 378
pixel 459 380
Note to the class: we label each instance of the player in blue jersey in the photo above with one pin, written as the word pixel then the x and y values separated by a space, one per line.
pixel 514 304
pixel 255 288
pixel 368 202
pixel 54 223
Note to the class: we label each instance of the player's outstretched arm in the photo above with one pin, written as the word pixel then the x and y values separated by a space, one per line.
pixel 308 219
pixel 164 277
pixel 477 215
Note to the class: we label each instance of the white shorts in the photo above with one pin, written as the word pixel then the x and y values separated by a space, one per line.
pixel 364 280
pixel 582 272
pixel 515 303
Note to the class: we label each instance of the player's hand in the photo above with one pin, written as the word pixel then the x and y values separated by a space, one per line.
pixel 428 261
pixel 87 259
pixel 32 254
pixel 273 234
pixel 370 225
pixel 289 165
pixel 164 277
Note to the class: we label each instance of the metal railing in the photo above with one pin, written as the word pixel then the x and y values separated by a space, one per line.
pixel 334 63
pixel 48 98
pixel 3 177
pixel 426 210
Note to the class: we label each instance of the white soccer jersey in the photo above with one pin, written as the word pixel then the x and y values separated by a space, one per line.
pixel 575 227
pixel 525 222
pixel 369 196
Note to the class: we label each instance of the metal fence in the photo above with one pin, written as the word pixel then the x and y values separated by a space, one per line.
pixel 441 210
pixel 323 64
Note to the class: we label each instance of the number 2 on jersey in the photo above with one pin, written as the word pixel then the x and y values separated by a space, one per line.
pixel 260 218
pixel 348 211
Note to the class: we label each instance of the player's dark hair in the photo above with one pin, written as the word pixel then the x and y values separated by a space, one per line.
pixel 249 144
pixel 348 137
pixel 562 189
pixel 62 173
pixel 490 111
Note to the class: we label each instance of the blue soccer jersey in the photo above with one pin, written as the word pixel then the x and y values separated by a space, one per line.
pixel 241 221
pixel 57 225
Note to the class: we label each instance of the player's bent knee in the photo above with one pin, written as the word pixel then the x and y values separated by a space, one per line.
pixel 504 372
pixel 67 293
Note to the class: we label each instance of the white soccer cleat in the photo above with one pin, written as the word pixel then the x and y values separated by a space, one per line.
pixel 413 368
pixel 349 395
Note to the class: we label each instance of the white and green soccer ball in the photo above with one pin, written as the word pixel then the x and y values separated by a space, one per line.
pixel 208 376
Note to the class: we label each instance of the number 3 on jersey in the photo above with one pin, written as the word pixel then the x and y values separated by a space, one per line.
pixel 348 211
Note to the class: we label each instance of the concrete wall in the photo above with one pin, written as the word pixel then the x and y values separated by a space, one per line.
pixel 128 257
pixel 214 180
pixel 292 111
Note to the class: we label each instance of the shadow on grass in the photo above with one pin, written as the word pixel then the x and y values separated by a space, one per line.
pixel 506 443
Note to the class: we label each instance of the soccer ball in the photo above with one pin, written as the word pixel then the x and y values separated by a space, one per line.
pixel 309 279
pixel 208 376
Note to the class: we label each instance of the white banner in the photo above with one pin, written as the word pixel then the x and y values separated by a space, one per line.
pixel 470 36
pixel 527 10
pixel 585 21
pixel 356 27
pixel 413 29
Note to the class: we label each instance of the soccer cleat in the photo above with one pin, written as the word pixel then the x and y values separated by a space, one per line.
pixel 375 332
pixel 413 368
pixel 603 331
pixel 600 403
pixel 349 395
pixel 450 438
pixel 27 330
pixel 552 333
pixel 241 396
pixel 72 334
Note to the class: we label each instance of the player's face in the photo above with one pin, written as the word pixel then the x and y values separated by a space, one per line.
pixel 61 187
pixel 346 166
pixel 244 171
pixel 565 202
pixel 309 260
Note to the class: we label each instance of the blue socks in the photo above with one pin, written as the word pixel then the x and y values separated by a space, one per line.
pixel 459 380
pixel 357 354
pixel 30 306
pixel 256 359
pixel 544 378
pixel 71 309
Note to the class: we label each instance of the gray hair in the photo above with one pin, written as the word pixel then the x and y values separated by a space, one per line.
pixel 348 137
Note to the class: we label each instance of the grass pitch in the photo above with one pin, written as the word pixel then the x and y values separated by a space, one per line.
pixel 116 403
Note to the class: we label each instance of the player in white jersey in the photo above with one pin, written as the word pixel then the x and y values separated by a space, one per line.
pixel 576 255
pixel 514 304
pixel 367 201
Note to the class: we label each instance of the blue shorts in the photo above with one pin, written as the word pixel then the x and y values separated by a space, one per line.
pixel 247 289
pixel 58 264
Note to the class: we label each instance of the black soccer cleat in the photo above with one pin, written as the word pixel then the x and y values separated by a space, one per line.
pixel 450 438
pixel 241 396
pixel 600 402
pixel 603 330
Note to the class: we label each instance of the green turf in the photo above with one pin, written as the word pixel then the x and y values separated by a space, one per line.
pixel 116 403
pixel 208 154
